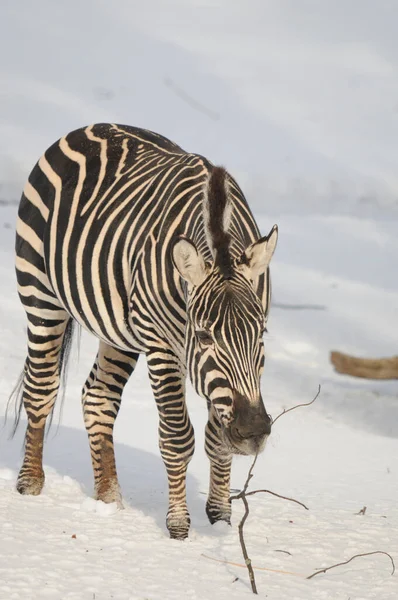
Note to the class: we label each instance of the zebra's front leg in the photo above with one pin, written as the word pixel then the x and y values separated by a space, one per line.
pixel 176 434
pixel 101 402
pixel 218 506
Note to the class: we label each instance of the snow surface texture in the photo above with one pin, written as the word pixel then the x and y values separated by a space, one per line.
pixel 299 100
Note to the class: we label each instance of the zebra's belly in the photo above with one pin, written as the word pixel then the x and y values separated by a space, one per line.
pixel 119 335
pixel 95 299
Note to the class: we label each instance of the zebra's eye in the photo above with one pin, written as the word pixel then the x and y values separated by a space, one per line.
pixel 204 338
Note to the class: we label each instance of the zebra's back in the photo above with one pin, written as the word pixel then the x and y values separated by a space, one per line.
pixel 98 216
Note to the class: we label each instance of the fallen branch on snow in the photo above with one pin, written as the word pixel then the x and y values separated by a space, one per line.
pixel 234 564
pixel 361 512
pixel 352 558
pixel 243 496
pixel 368 368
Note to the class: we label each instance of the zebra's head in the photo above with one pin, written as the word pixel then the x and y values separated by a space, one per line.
pixel 224 338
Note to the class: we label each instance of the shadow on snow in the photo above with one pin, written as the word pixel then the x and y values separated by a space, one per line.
pixel 142 475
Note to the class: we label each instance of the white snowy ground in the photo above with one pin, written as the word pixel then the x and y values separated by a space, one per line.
pixel 299 100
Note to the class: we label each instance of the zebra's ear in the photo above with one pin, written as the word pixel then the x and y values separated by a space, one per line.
pixel 188 261
pixel 256 258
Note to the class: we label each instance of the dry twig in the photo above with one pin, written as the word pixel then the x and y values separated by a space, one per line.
pixel 249 476
pixel 278 496
pixel 284 412
pixel 352 558
pixel 248 561
pixel 242 495
pixel 361 512
pixel 234 564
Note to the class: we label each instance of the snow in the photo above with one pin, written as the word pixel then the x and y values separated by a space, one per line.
pixel 299 101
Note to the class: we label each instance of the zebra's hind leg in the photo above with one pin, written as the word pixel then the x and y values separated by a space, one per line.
pixel 101 402
pixel 218 506
pixel 46 346
pixel 176 434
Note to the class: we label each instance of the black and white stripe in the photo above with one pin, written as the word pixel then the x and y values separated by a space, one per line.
pixel 153 250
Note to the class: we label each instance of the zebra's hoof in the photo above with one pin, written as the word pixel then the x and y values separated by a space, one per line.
pixel 109 492
pixel 217 512
pixel 178 526
pixel 29 484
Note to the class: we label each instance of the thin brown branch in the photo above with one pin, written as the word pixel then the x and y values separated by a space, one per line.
pixel 248 478
pixel 278 496
pixel 249 475
pixel 248 561
pixel 234 564
pixel 284 412
pixel 352 558
pixel 242 496
pixel 362 511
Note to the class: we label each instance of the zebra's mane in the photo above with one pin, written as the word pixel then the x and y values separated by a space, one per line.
pixel 217 212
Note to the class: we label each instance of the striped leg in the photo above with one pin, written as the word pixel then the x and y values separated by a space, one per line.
pixel 218 506
pixel 101 402
pixel 41 383
pixel 176 435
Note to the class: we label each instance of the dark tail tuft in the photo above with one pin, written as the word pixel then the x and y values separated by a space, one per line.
pixel 15 399
pixel 63 368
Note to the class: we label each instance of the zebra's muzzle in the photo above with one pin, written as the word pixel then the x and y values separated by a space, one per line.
pixel 250 427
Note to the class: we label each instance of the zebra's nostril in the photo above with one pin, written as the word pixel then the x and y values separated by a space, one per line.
pixel 239 434
pixel 243 433
pixel 246 435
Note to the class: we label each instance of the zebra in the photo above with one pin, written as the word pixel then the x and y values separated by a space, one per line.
pixel 155 251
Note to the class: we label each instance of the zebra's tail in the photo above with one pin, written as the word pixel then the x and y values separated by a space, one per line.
pixel 16 396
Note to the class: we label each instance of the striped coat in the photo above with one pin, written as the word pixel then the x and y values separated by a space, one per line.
pixel 153 250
